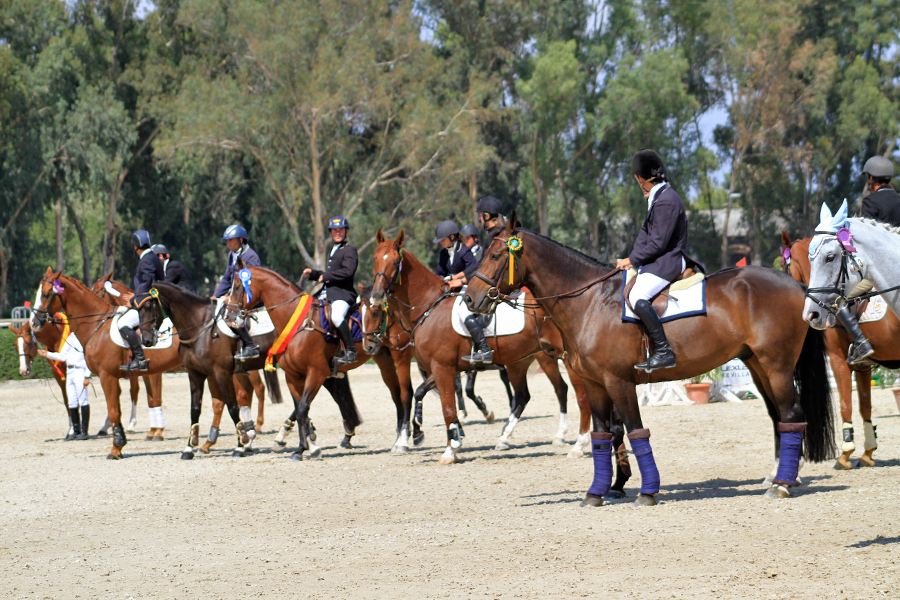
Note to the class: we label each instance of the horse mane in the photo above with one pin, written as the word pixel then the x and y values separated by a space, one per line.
pixel 283 277
pixel 194 296
pixel 879 224
pixel 587 260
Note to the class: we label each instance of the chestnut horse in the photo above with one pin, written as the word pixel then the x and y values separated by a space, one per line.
pixel 90 318
pixel 308 357
pixel 26 342
pixel 752 314
pixel 418 299
pixel 151 382
pixel 883 334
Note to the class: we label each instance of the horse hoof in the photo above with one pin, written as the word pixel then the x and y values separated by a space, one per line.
pixel 149 438
pixel 418 439
pixel 279 444
pixel 778 491
pixel 559 442
pixel 615 494
pixel 158 438
pixel 448 460
pixel 205 448
pixel 489 417
pixel 865 461
pixel 767 481
pixel 297 456
pixel 842 464
pixel 501 446
pixel 575 454
pixel 346 445
pixel 591 500
pixel 187 455
pixel 102 433
pixel 400 449
pixel 645 500
pixel 238 454
pixel 314 454
pixel 112 457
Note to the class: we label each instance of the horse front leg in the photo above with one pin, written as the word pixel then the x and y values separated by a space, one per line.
pixel 259 388
pixel 243 388
pixel 111 389
pixel 197 380
pixel 418 413
pixel 213 436
pixel 443 380
pixel 471 376
pixel 844 379
pixel 624 397
pixel 154 402
pixel 311 385
pixel 551 369
pixel 135 389
pixel 864 391
pixel 389 376
pixel 518 373
pixel 582 442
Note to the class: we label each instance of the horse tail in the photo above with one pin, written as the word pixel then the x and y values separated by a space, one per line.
pixel 811 377
pixel 273 386
pixel 340 391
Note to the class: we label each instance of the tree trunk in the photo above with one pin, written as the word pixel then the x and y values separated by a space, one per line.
pixel 318 214
pixel 82 239
pixel 60 250
pixel 4 270
pixel 539 190
pixel 735 167
pixel 111 234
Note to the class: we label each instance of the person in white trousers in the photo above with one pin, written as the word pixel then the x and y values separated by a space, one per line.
pixel 78 377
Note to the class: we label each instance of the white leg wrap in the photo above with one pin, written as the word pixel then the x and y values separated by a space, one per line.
pixel 563 426
pixel 871 442
pixel 510 426
pixel 133 415
pixel 848 446
pixel 23 367
pixel 403 440
pixel 579 448
pixel 312 446
pixel 245 413
pixel 449 453
pixel 157 421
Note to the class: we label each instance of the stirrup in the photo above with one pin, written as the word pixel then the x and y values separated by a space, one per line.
pixel 247 353
pixel 664 359
pixel 859 352
pixel 479 357
pixel 136 366
pixel 346 358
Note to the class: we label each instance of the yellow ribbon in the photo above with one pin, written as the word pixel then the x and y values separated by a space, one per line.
pixel 514 244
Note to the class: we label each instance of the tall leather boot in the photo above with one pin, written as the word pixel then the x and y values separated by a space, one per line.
pixel 860 348
pixel 349 354
pixel 249 349
pixel 85 419
pixel 76 424
pixel 663 356
pixel 482 352
pixel 138 362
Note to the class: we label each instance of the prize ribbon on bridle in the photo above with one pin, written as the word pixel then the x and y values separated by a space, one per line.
pixel 514 244
pixel 846 239
pixel 245 277
pixel 400 268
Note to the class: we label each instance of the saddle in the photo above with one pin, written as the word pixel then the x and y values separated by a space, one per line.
pixel 660 301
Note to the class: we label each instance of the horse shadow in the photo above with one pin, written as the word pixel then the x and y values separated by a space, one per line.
pixel 876 541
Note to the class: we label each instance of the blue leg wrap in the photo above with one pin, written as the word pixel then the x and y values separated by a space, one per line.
pixel 789 461
pixel 601 445
pixel 649 473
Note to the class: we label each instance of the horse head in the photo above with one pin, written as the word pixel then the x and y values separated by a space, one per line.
pixel 374 321
pixel 831 271
pixel 388 267
pixel 26 347
pixel 501 270
pixel 48 299
pixel 152 310
pixel 245 294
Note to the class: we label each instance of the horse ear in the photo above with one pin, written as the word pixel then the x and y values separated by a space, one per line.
pixel 49 273
pixel 401 237
pixel 106 277
pixel 240 263
pixel 785 239
pixel 512 223
pixel 379 236
pixel 359 286
pixel 56 275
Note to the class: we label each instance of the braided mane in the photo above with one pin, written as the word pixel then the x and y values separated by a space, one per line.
pixel 886 226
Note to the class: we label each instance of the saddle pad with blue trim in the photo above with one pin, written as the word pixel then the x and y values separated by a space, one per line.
pixel 688 301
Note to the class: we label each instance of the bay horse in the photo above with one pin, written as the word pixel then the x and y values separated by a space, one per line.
pixel 151 382
pixel 884 335
pixel 307 359
pixel 208 357
pixel 418 299
pixel 26 342
pixel 751 315
pixel 90 318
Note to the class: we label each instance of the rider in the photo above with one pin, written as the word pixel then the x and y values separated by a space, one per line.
pixel 659 254
pixel 175 272
pixel 455 263
pixel 470 238
pixel 882 204
pixel 236 239
pixel 78 377
pixel 338 279
pixel 149 271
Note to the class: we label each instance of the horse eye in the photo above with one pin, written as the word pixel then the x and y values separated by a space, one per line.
pixel 829 258
pixel 495 256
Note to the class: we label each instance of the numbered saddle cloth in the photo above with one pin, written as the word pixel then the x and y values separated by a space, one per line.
pixel 165 333
pixel 258 321
pixel 507 319
pixel 687 298
pixel 875 310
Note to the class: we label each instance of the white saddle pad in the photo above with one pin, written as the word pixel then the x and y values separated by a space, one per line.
pixel 165 333
pixel 260 324
pixel 511 321
pixel 687 298
pixel 875 311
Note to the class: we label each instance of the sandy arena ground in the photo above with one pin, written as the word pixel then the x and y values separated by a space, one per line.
pixel 368 524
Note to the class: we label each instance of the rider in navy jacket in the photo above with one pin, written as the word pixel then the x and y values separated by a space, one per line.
pixel 175 272
pixel 236 239
pixel 149 271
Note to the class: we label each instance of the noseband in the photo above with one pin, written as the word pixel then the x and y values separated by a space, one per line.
pixel 839 286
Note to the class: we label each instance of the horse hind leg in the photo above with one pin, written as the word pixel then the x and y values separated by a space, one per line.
pixel 551 369
pixel 864 391
pixel 460 402
pixel 482 406
pixel 843 377
pixel 518 372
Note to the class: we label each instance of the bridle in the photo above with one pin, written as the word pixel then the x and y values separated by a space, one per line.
pixel 42 314
pixel 380 334
pixel 839 287
pixel 398 278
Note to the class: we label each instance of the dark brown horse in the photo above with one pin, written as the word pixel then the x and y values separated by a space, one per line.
pixel 883 334
pixel 90 319
pixel 208 357
pixel 307 360
pixel 753 314
pixel 419 301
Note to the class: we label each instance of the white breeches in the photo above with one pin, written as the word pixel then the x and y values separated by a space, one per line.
pixel 131 318
pixel 646 286
pixel 75 390
pixel 339 309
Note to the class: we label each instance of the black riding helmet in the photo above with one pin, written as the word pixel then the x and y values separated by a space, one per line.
pixel 648 164
pixel 489 205
pixel 470 231
pixel 444 229
pixel 141 238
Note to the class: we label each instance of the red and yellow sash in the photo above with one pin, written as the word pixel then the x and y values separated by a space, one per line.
pixel 65 335
pixel 287 334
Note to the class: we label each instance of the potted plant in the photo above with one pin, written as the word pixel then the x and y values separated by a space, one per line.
pixel 698 388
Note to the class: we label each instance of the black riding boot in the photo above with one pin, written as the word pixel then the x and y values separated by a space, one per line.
pixel 663 356
pixel 860 348
pixel 250 349
pixel 138 362
pixel 349 354
pixel 482 352
pixel 85 419
pixel 76 424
